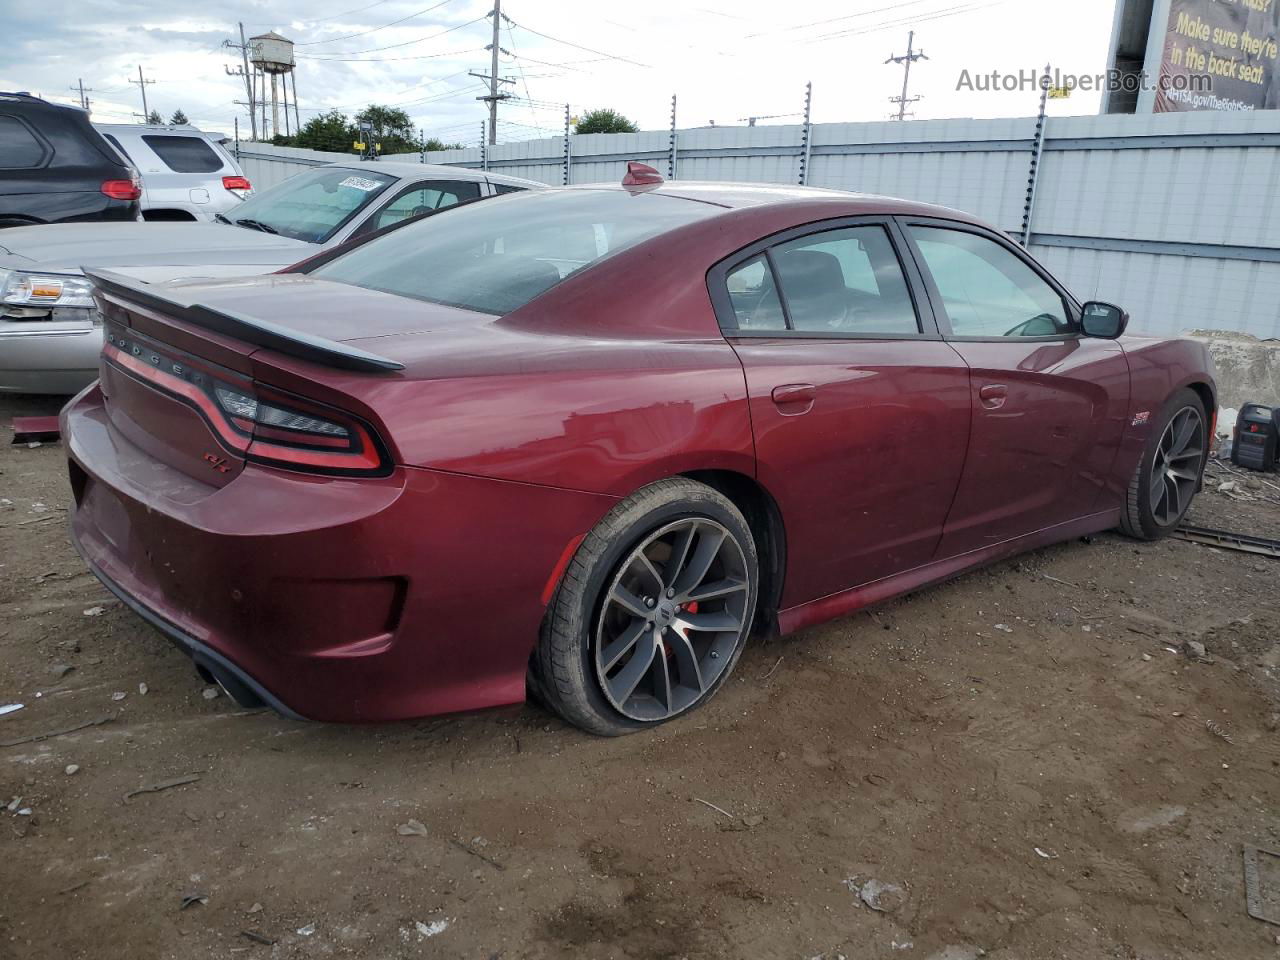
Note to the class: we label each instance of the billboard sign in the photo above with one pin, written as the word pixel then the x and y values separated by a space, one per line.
pixel 1235 43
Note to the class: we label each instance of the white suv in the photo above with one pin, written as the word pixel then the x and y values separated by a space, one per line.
pixel 186 174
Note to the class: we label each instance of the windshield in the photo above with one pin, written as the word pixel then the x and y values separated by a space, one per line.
pixel 497 255
pixel 311 206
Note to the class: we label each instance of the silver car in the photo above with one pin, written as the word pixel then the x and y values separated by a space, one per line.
pixel 186 174
pixel 50 336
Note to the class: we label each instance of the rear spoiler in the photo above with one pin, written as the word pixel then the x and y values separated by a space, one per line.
pixel 263 333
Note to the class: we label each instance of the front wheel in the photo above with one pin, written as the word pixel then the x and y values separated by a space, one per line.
pixel 1168 475
pixel 653 611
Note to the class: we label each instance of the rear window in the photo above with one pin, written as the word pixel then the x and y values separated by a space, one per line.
pixel 496 255
pixel 185 154
pixel 19 147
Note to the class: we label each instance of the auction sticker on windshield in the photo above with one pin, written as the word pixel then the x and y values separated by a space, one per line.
pixel 360 183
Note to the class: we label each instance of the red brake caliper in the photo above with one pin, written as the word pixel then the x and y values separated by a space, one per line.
pixel 690 607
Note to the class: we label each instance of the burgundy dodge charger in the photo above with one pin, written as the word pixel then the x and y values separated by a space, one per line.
pixel 577 442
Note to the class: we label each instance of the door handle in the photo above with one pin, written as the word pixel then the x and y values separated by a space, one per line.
pixel 794 398
pixel 993 395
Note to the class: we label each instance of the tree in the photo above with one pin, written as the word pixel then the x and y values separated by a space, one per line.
pixel 435 143
pixel 604 120
pixel 327 131
pixel 391 127
pixel 155 119
pixel 179 119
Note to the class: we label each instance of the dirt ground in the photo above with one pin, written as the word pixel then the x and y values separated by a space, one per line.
pixel 1023 751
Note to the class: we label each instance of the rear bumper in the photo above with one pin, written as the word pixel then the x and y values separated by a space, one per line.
pixel 328 598
pixel 245 689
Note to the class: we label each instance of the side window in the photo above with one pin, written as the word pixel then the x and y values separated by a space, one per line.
pixel 987 290
pixel 425 197
pixel 184 154
pixel 501 188
pixel 846 281
pixel 754 297
pixel 19 147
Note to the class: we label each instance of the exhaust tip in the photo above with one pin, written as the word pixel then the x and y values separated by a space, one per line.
pixel 231 685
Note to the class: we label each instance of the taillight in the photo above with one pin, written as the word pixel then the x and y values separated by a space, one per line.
pixel 257 422
pixel 284 434
pixel 123 189
pixel 238 184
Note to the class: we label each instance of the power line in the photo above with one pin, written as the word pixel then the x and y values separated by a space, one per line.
pixel 352 36
pixel 524 80
pixel 850 16
pixel 577 46
pixel 422 101
pixel 348 12
pixel 571 65
pixel 425 56
pixel 924 17
pixel 394 46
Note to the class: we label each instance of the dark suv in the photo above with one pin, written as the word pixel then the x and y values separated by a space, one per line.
pixel 55 168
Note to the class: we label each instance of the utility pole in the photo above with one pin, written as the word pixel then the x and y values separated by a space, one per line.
pixel 910 57
pixel 84 101
pixel 493 73
pixel 493 78
pixel 247 74
pixel 142 85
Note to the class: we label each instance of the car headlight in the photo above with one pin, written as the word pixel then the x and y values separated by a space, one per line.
pixel 18 288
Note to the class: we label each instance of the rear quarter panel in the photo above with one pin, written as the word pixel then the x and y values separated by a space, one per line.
pixel 596 415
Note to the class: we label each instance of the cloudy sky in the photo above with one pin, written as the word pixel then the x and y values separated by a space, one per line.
pixel 726 59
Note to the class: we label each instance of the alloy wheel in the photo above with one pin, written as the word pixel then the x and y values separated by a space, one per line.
pixel 672 619
pixel 1175 469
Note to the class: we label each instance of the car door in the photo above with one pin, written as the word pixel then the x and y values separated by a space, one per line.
pixel 860 411
pixel 1049 404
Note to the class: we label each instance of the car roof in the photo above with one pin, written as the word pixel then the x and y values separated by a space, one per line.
pixel 141 128
pixel 30 99
pixel 411 170
pixel 735 196
pixel 157 130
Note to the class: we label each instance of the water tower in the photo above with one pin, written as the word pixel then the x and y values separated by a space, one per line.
pixel 272 56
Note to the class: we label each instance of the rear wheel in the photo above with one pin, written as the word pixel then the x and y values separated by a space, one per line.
pixel 1168 475
pixel 653 611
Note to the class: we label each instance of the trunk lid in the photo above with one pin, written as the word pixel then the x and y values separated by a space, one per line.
pixel 179 360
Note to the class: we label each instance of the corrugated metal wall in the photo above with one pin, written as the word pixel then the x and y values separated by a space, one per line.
pixel 1174 216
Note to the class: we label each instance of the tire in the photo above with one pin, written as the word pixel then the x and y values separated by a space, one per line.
pixel 601 602
pixel 1149 514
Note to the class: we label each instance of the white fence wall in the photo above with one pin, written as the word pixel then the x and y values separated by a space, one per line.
pixel 1174 216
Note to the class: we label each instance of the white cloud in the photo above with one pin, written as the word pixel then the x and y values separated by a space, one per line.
pixel 725 60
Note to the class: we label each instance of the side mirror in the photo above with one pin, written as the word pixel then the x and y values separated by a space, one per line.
pixel 1104 320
